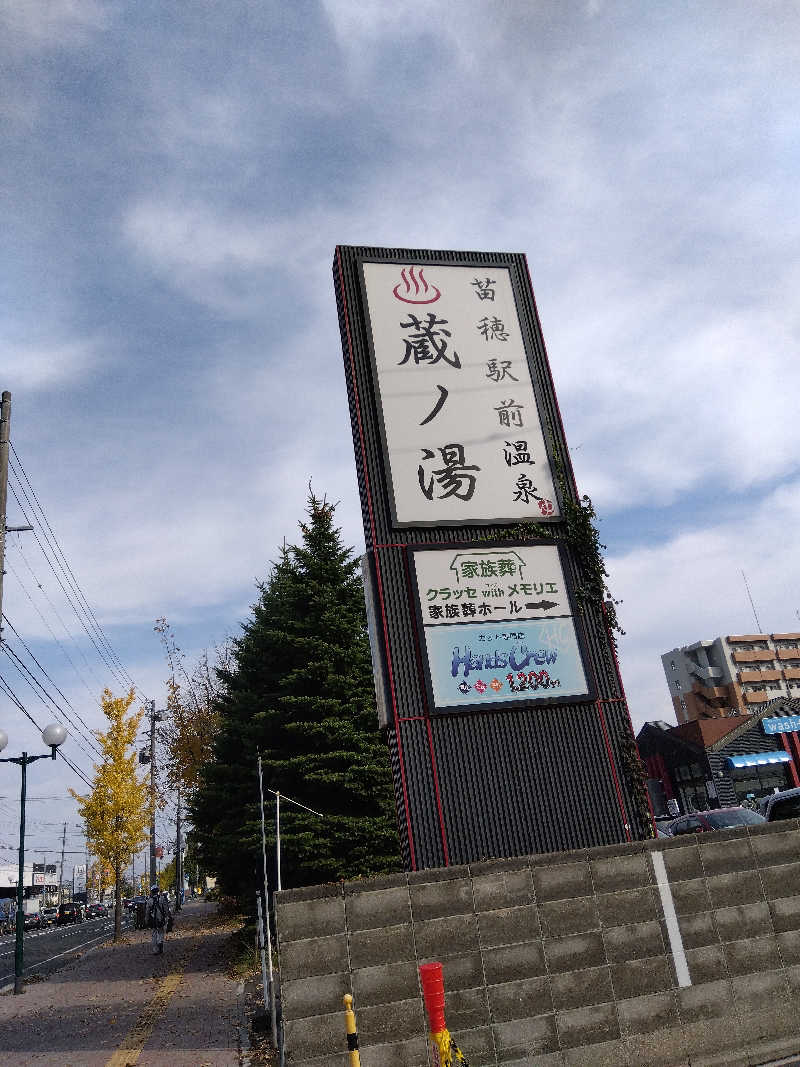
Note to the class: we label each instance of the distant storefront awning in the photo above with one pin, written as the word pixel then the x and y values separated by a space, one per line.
pixel 759 759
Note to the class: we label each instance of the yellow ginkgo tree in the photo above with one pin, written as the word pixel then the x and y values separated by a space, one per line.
pixel 116 814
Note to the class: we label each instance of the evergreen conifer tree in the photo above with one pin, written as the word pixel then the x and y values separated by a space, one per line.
pixel 301 693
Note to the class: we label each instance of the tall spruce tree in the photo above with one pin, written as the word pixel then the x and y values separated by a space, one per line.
pixel 300 692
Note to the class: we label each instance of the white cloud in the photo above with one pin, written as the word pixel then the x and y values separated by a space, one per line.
pixel 374 19
pixel 36 24
pixel 221 257
pixel 193 236
pixel 45 365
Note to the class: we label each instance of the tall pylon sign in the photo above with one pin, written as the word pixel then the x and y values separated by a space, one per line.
pixel 497 680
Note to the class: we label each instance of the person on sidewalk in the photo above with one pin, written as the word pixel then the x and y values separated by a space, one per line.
pixel 157 917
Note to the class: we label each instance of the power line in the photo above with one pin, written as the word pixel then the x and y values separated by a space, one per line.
pixel 6 688
pixel 77 715
pixel 74 582
pixel 35 847
pixel 69 598
pixel 49 627
pixel 67 631
pixel 57 551
pixel 27 676
pixel 28 799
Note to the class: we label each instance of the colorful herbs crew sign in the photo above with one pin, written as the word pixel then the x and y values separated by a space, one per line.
pixel 498 626
pixel 461 427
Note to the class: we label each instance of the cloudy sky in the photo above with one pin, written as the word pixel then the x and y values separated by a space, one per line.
pixel 174 181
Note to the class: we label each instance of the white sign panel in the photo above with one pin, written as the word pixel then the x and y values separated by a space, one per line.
pixel 79 878
pixel 498 626
pixel 460 421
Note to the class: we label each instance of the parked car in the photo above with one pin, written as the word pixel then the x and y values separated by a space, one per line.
pixel 700 822
pixel 49 916
pixel 783 805
pixel 7 924
pixel 71 912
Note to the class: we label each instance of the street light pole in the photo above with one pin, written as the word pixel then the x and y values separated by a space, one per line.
pixel 20 917
pixel 297 804
pixel 52 735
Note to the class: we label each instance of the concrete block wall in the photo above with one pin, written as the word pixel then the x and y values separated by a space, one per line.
pixel 658 953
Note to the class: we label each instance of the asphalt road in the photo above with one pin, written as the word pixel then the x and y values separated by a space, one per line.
pixel 49 948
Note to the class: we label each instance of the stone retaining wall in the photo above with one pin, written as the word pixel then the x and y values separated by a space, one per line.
pixel 566 959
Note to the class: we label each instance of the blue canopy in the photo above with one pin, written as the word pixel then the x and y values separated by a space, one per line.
pixel 759 759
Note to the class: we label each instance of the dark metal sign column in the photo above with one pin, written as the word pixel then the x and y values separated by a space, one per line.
pixel 506 721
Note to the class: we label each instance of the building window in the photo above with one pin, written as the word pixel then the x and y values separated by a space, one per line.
pixel 678 683
pixel 673 665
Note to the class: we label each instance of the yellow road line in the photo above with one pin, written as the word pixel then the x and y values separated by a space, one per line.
pixel 130 1050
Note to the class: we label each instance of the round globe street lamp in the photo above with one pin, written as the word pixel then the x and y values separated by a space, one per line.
pixel 53 736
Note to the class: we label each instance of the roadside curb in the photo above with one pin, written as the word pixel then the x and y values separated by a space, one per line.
pixel 64 958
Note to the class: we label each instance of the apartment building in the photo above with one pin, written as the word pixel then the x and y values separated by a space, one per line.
pixel 732 675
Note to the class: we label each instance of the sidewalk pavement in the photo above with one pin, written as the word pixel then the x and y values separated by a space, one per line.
pixel 119 1005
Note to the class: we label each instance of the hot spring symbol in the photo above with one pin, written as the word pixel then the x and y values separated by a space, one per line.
pixel 414 289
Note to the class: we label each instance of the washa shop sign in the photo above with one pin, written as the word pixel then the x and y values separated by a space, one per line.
pixel 498 626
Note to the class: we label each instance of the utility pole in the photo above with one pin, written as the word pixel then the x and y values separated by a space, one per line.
pixel 178 858
pixel 4 444
pixel 152 792
pixel 61 870
pixel 5 441
pixel 155 716
pixel 5 437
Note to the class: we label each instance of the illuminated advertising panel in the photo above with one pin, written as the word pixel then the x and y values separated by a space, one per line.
pixel 498 626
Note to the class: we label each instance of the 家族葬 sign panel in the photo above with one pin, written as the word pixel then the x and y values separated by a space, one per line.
pixel 460 421
pixel 498 626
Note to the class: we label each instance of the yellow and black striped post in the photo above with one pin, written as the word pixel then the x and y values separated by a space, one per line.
pixel 352 1033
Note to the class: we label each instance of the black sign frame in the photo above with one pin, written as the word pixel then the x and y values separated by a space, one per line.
pixel 528 342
